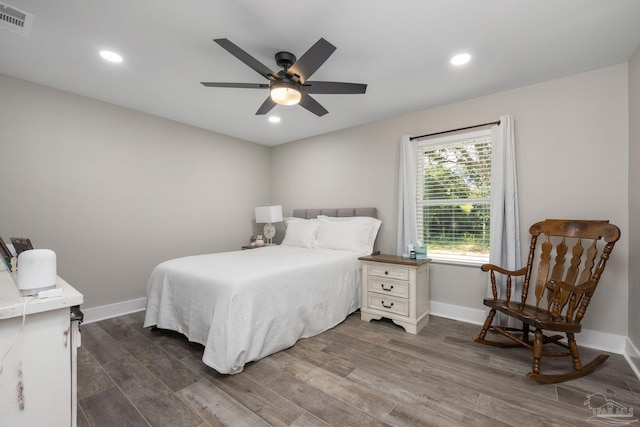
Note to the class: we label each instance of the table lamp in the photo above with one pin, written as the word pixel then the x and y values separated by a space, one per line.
pixel 268 215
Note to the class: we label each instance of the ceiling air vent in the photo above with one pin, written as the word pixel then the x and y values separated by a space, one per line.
pixel 15 20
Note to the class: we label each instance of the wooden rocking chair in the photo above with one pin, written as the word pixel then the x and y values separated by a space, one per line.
pixel 562 291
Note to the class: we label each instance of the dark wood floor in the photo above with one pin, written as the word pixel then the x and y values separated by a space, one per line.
pixel 357 374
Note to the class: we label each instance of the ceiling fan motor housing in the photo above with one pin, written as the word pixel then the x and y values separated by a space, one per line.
pixel 285 59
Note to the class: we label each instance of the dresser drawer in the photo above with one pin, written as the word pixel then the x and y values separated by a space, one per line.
pixel 388 303
pixel 389 271
pixel 388 287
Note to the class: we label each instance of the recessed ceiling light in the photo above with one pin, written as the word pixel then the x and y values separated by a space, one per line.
pixel 274 119
pixel 461 59
pixel 110 56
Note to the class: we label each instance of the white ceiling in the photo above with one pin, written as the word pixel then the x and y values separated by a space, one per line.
pixel 401 49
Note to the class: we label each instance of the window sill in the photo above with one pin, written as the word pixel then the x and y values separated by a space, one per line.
pixel 457 261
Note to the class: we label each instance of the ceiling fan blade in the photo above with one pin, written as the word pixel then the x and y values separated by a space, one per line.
pixel 334 87
pixel 266 106
pixel 312 105
pixel 312 60
pixel 249 60
pixel 236 85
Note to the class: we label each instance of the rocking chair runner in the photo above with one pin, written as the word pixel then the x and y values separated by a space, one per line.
pixel 562 292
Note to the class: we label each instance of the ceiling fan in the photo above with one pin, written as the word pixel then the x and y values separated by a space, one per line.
pixel 290 85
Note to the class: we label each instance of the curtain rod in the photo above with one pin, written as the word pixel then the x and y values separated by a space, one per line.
pixel 455 130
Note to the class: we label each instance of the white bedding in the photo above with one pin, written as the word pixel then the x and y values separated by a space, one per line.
pixel 246 305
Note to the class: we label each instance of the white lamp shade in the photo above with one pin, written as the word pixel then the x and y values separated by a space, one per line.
pixel 268 214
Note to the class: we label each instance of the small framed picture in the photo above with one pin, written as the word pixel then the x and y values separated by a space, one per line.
pixel 5 254
pixel 21 244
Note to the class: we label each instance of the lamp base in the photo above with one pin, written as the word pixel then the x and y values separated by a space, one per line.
pixel 269 231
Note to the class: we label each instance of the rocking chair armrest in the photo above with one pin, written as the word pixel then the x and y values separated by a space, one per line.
pixel 489 267
pixel 582 288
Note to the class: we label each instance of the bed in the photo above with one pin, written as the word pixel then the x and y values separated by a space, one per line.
pixel 245 305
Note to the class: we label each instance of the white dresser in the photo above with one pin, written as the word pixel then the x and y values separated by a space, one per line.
pixel 396 288
pixel 38 379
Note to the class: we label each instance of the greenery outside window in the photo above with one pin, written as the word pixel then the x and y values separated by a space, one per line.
pixel 453 196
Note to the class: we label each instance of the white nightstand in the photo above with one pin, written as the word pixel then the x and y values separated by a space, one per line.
pixel 396 288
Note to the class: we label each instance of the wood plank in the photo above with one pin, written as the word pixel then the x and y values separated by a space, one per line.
pixel 216 407
pixel 92 378
pixel 410 416
pixel 154 400
pixel 371 402
pixel 265 370
pixel 309 420
pixel 100 344
pixel 256 397
pixel 540 415
pixel 110 408
pixel 167 369
pixel 321 404
pixel 315 355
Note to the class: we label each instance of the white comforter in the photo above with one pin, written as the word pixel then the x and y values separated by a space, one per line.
pixel 246 305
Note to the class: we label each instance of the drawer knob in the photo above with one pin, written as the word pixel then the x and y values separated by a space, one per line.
pixel 386 272
pixel 386 289
pixel 386 306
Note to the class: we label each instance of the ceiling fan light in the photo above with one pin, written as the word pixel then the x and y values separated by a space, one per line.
pixel 285 93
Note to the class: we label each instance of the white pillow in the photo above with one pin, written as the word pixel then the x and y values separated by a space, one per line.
pixel 356 234
pixel 373 223
pixel 301 232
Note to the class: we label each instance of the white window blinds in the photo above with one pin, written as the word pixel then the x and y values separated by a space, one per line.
pixel 453 190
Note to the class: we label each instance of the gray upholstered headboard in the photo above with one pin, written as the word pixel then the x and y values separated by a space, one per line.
pixel 313 213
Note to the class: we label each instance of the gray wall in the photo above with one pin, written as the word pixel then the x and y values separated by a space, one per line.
pixel 572 148
pixel 634 201
pixel 114 192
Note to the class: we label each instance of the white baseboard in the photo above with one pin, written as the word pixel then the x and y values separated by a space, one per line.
pixel 601 341
pixel 632 355
pixel 456 312
pixel 587 338
pixel 103 312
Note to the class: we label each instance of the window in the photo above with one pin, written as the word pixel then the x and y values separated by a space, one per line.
pixel 453 192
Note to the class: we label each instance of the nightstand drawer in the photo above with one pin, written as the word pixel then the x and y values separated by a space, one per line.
pixel 388 303
pixel 388 287
pixel 390 271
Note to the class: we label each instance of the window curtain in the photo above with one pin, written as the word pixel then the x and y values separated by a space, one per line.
pixel 407 216
pixel 505 221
